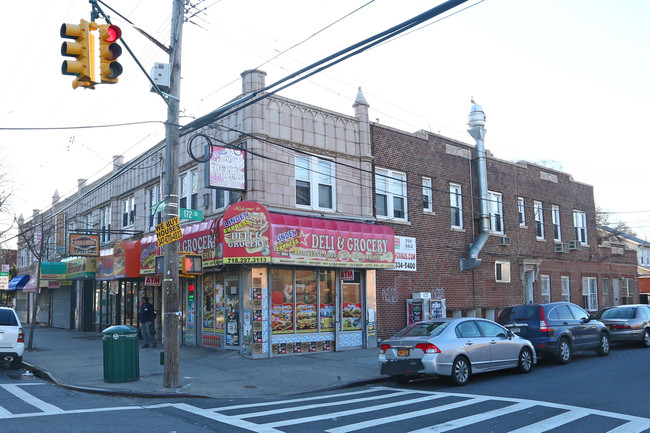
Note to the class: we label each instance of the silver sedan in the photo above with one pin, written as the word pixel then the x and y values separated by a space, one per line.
pixel 455 348
pixel 627 323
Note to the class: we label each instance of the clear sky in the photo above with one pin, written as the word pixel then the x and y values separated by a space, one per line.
pixel 564 82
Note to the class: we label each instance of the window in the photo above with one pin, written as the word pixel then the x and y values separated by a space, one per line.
pixel 188 190
pixel 589 293
pixel 545 280
pixel 128 212
pixel 87 221
pixel 154 209
pixel 427 194
pixel 105 223
pixel 456 204
pixel 222 198
pixel 315 182
pixel 606 297
pixel 390 194
pixel 627 291
pixel 555 218
pixel 502 272
pixel 495 210
pixel 580 224
pixel 521 206
pixel 539 219
pixel 566 288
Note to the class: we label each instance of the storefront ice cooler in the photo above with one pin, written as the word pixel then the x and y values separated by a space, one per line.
pixel 121 354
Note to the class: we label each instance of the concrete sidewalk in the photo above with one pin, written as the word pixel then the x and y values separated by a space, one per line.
pixel 75 360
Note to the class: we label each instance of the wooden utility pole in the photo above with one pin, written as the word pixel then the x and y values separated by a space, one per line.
pixel 171 290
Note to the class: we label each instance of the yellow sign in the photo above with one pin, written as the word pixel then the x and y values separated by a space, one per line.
pixel 169 231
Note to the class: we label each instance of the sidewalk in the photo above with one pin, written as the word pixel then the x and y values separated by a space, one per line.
pixel 75 360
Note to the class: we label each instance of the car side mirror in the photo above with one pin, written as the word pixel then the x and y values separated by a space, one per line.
pixel 510 334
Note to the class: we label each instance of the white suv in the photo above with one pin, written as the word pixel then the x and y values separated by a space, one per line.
pixel 12 338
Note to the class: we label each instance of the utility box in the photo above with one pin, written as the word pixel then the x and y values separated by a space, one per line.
pixel 160 75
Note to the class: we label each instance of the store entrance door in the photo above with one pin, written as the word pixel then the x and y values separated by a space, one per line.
pixel 232 292
pixel 349 333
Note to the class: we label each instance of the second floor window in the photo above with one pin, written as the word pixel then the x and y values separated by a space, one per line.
pixel 222 198
pixel 427 195
pixel 188 191
pixel 521 211
pixel 456 205
pixel 555 217
pixel 390 194
pixel 495 210
pixel 539 219
pixel 315 187
pixel 128 212
pixel 154 208
pixel 580 224
pixel 105 223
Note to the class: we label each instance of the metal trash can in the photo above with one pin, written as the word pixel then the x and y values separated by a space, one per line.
pixel 121 354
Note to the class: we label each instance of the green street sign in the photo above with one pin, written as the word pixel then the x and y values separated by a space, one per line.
pixel 191 214
pixel 158 207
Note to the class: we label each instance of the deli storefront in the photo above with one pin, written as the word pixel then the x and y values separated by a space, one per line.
pixel 276 284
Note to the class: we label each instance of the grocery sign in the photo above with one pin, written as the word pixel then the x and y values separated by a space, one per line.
pixel 84 245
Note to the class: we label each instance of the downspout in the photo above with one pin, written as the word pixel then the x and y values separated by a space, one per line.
pixel 477 130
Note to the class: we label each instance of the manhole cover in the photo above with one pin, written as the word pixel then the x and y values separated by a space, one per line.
pixel 22 376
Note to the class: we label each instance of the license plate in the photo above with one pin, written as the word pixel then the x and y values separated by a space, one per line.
pixel 515 330
pixel 402 352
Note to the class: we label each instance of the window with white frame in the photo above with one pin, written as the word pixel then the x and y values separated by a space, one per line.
pixel 222 198
pixel 627 291
pixel 427 194
pixel 87 221
pixel 566 288
pixel 555 219
pixel 128 212
pixel 502 272
pixel 315 186
pixel 390 194
pixel 495 210
pixel 521 211
pixel 154 207
pixel 456 205
pixel 539 219
pixel 188 190
pixel 643 254
pixel 580 224
pixel 589 293
pixel 105 223
pixel 545 281
pixel 606 296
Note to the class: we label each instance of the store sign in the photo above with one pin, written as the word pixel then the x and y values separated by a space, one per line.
pixel 152 281
pixel 347 275
pixel 4 283
pixel 405 254
pixel 84 245
pixel 227 168
pixel 245 234
pixel 53 284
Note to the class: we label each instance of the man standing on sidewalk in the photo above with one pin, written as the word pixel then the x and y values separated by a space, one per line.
pixel 146 316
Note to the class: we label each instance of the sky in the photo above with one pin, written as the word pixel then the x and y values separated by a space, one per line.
pixel 562 82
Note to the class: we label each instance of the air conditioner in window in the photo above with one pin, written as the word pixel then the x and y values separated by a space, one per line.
pixel 575 245
pixel 504 240
pixel 562 247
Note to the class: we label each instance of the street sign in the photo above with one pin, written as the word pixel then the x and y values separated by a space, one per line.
pixel 158 207
pixel 191 214
pixel 169 231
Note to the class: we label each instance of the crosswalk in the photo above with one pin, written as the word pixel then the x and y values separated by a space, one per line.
pixel 375 409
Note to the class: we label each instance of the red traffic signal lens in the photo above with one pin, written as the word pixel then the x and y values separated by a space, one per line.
pixel 113 33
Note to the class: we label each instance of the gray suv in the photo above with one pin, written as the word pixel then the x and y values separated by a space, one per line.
pixel 557 329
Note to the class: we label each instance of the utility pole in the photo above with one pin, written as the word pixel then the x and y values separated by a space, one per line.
pixel 171 290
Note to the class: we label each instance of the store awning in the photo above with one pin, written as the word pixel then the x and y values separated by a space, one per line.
pixel 17 283
pixel 31 285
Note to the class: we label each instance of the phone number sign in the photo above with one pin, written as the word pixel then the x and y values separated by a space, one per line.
pixel 169 231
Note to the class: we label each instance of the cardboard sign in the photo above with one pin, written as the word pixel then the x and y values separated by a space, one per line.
pixel 169 231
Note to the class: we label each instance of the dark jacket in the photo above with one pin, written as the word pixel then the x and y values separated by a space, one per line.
pixel 147 313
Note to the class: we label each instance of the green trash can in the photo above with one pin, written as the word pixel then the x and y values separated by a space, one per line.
pixel 121 354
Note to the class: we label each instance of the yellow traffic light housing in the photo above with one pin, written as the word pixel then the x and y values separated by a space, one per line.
pixel 83 50
pixel 109 51
pixel 192 264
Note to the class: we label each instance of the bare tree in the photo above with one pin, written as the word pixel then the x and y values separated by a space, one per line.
pixel 603 219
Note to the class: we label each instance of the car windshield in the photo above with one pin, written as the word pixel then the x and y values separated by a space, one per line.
pixel 620 313
pixel 423 329
pixel 7 318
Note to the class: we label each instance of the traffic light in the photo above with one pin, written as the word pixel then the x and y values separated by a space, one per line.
pixel 83 49
pixel 109 51
pixel 192 264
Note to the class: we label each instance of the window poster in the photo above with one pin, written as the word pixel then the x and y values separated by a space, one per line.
pixel 208 303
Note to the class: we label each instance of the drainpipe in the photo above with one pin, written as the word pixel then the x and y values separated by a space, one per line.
pixel 476 129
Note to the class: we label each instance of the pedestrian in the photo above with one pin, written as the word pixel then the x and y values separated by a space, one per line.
pixel 146 316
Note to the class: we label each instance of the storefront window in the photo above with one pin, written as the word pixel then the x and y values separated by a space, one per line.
pixel 306 297
pixel 327 288
pixel 351 297
pixel 219 305
pixel 208 302
pixel 282 301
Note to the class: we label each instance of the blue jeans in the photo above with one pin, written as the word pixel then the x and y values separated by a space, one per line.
pixel 146 335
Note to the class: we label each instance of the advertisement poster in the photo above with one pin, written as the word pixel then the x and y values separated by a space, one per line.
pixel 351 316
pixel 208 303
pixel 245 231
pixel 306 318
pixel 327 317
pixel 282 318
pixel 227 168
pixel 405 254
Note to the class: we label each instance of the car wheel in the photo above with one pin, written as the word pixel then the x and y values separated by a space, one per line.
pixel 563 351
pixel 525 363
pixel 603 347
pixel 460 371
pixel 16 363
pixel 645 342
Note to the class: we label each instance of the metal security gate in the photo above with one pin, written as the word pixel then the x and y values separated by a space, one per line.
pixel 61 308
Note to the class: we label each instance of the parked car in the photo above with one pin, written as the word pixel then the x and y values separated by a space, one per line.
pixel 455 348
pixel 12 338
pixel 627 323
pixel 557 329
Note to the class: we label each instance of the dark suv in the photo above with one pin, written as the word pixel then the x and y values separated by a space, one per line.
pixel 557 329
